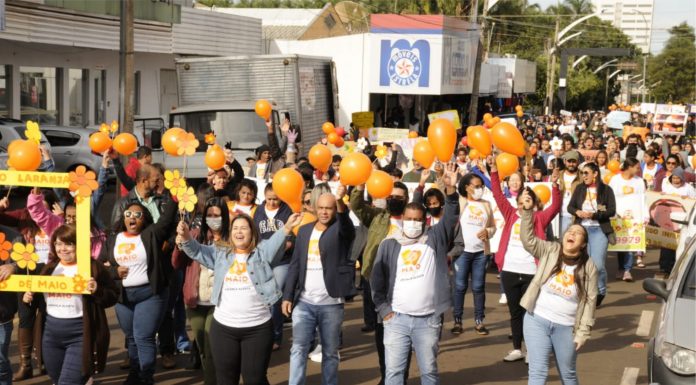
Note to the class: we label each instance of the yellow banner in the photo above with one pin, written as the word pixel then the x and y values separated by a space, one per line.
pixel 451 115
pixel 364 119
pixel 51 284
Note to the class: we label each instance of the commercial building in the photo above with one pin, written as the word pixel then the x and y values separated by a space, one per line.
pixel 633 17
pixel 59 60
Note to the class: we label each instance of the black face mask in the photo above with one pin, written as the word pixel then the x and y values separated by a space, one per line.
pixel 435 211
pixel 395 206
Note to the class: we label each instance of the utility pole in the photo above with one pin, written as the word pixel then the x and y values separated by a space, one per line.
pixel 550 79
pixel 645 85
pixel 473 103
pixel 126 69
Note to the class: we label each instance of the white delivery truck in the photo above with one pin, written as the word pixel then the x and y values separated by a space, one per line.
pixel 219 94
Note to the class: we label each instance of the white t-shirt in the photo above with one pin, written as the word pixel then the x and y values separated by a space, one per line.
pixel 129 251
pixel 42 246
pixel 414 284
pixel 206 280
pixel 590 205
pixel 558 298
pixel 517 259
pixel 244 209
pixel 261 170
pixel 626 188
pixel 240 305
pixel 315 292
pixel 649 176
pixel 271 213
pixel 567 193
pixel 473 219
pixel 64 305
pixel 685 189
pixel 395 225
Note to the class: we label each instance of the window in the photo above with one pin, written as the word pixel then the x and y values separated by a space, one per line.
pixel 99 96
pixel 75 97
pixel 689 285
pixel 38 89
pixel 61 138
pixel 4 91
pixel 136 94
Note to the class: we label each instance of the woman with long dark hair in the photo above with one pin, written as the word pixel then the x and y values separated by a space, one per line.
pixel 593 204
pixel 244 199
pixel 560 300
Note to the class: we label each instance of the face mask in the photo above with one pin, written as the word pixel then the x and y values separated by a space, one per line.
pixel 396 206
pixel 435 211
pixel 412 229
pixel 215 223
pixel 380 203
pixel 478 194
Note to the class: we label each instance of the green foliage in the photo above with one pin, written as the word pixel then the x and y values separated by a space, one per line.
pixel 674 67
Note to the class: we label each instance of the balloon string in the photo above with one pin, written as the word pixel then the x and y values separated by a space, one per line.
pixel 8 192
pixel 183 212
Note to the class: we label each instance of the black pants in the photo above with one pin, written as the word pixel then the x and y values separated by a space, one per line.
pixel 667 260
pixel 379 341
pixel 515 285
pixel 369 312
pixel 245 351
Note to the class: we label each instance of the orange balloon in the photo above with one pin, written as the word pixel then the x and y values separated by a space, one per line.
pixel 306 218
pixel 328 128
pixel 215 157
pixel 518 108
pixel 288 185
pixel 508 138
pixel 125 143
pixel 355 169
pixel 614 166
pixel 99 142
pixel 423 153
pixel 443 138
pixel 332 137
pixel 495 121
pixel 25 155
pixel 263 109
pixel 507 164
pixel 693 161
pixel 479 139
pixel 380 184
pixel 339 143
pixel 542 192
pixel 169 140
pixel 320 157
pixel 487 116
pixel 607 178
pixel 412 134
pixel 473 154
pixel 519 114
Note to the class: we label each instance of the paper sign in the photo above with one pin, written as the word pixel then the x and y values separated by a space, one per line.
pixel 451 115
pixel 628 223
pixel 669 123
pixel 661 231
pixel 616 119
pixel 363 119
pixel 54 284
pixel 383 134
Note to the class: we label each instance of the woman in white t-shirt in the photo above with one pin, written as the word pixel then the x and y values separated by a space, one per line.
pixel 560 300
pixel 241 333
pixel 244 200
pixel 75 338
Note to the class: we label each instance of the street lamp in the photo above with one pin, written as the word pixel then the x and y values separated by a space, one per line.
pixel 606 85
pixel 645 54
pixel 581 58
pixel 604 65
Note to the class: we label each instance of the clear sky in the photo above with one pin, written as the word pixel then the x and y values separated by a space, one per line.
pixel 668 13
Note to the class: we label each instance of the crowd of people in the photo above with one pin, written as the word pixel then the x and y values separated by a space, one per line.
pixel 242 263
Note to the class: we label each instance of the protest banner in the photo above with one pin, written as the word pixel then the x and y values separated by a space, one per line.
pixel 384 134
pixel 661 231
pixel 52 284
pixel 363 119
pixel 647 108
pixel 670 123
pixel 451 115
pixel 616 119
pixel 589 155
pixel 628 223
pixel 670 109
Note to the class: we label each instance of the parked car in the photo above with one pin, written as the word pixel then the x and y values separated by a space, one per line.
pixel 13 129
pixel 688 227
pixel 70 148
pixel 672 350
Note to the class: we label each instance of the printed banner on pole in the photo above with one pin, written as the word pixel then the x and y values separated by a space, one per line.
pixel 670 123
pixel 661 231
pixel 629 223
pixel 363 119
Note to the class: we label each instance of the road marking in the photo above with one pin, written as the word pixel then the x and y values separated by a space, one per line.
pixel 630 376
pixel 645 323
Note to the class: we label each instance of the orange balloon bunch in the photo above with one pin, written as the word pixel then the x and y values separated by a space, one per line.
pixel 24 155
pixel 519 111
pixel 170 140
pixel 288 185
pixel 333 135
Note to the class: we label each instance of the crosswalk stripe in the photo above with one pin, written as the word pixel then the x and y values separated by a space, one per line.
pixel 630 376
pixel 645 323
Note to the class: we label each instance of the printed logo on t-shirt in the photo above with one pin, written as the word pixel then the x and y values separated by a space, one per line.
pixel 562 284
pixel 125 253
pixel 628 190
pixel 237 273
pixel 411 258
pixel 313 254
pixel 475 216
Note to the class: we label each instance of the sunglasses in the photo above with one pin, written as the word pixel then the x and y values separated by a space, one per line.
pixel 586 173
pixel 671 162
pixel 307 202
pixel 134 214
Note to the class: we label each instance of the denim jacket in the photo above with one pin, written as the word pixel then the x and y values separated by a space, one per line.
pixel 220 259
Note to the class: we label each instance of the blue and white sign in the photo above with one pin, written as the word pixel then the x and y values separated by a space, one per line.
pixel 403 63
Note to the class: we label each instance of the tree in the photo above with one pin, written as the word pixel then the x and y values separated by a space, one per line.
pixel 674 67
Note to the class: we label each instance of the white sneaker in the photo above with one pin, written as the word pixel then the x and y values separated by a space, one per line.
pixel 503 299
pixel 315 352
pixel 316 357
pixel 514 355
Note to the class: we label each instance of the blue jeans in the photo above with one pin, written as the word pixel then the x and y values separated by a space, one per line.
pixel 474 265
pixel 5 368
pixel 565 223
pixel 597 247
pixel 62 350
pixel 280 273
pixel 139 316
pixel 403 332
pixel 305 319
pixel 542 337
pixel 625 259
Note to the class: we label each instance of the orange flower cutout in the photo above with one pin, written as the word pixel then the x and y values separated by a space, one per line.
pixel 114 126
pixel 82 182
pixel 210 138
pixel 187 144
pixel 3 285
pixel 5 247
pixel 79 284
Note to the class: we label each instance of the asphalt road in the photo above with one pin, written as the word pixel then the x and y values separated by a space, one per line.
pixel 615 354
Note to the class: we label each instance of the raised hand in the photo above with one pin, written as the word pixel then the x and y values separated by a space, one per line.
pixel 292 222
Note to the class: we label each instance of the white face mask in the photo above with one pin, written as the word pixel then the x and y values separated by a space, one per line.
pixel 412 229
pixel 380 203
pixel 215 223
pixel 478 194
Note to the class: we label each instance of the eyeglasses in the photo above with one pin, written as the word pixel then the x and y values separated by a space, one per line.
pixel 586 173
pixel 134 214
pixel 671 162
pixel 307 202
